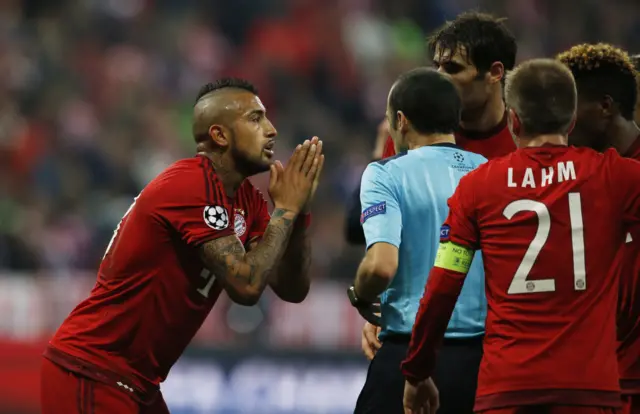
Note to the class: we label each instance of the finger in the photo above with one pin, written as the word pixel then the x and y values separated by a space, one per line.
pixel 294 157
pixel 376 342
pixel 315 167
pixel 300 156
pixel 372 342
pixel 434 403
pixel 318 169
pixel 368 351
pixel 273 178
pixel 310 160
pixel 280 168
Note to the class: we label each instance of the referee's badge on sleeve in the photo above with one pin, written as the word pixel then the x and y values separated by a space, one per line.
pixel 374 210
pixel 444 233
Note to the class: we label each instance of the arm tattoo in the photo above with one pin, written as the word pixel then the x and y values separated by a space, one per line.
pixel 246 274
pixel 291 280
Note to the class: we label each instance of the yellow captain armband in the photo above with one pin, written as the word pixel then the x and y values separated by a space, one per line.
pixel 454 257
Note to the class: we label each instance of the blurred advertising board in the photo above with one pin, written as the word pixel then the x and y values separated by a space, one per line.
pixel 234 383
pixel 273 359
pixel 34 306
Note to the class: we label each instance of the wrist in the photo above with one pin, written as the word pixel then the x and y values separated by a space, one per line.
pixel 285 211
pixel 356 300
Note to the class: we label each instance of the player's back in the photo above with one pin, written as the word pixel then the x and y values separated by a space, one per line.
pixel 425 178
pixel 152 293
pixel 629 304
pixel 550 224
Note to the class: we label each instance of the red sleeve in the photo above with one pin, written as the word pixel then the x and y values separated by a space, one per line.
pixel 626 181
pixel 262 217
pixel 441 291
pixel 460 226
pixel 436 306
pixel 389 148
pixel 194 204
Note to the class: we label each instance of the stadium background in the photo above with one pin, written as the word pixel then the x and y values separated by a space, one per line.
pixel 95 100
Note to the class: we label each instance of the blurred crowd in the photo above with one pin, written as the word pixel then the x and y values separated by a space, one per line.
pixel 96 97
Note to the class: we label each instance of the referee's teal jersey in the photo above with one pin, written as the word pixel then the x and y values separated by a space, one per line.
pixel 404 203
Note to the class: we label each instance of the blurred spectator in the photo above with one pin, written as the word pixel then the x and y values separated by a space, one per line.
pixel 96 96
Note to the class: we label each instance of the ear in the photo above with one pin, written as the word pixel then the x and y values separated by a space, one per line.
pixel 219 135
pixel 608 106
pixel 496 72
pixel 514 123
pixel 402 122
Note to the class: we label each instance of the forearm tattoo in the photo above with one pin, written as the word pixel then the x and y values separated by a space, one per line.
pixel 227 259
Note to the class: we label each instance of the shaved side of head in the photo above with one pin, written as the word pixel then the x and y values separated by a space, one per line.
pixel 216 104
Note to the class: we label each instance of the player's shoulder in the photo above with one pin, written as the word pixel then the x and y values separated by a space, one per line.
pixel 184 178
pixel 385 161
pixel 379 168
pixel 186 167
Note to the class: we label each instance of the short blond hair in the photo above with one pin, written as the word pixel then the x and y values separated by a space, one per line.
pixel 543 94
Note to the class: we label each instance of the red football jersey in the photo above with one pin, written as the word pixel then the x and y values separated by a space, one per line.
pixel 152 292
pixel 549 226
pixel 629 305
pixel 491 144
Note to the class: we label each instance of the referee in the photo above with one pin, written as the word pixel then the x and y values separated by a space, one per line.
pixel 404 203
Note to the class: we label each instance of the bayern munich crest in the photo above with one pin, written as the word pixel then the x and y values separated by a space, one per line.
pixel 216 217
pixel 240 224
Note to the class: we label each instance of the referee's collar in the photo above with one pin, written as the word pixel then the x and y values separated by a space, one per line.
pixel 445 144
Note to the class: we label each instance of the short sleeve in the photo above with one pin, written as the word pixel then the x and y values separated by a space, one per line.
pixel 194 206
pixel 460 227
pixel 262 218
pixel 381 217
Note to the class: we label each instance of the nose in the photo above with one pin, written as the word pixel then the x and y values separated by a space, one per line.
pixel 270 130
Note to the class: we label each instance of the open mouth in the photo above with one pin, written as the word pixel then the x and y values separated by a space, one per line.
pixel 268 149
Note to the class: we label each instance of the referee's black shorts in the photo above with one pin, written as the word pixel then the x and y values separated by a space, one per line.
pixel 456 376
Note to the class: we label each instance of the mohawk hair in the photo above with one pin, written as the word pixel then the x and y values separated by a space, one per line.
pixel 485 38
pixel 224 83
pixel 602 69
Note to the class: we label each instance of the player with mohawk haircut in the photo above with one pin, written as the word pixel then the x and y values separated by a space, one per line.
pixel 607 96
pixel 198 229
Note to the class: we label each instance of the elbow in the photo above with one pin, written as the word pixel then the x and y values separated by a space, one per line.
pixel 245 297
pixel 297 295
pixel 385 270
pixel 292 292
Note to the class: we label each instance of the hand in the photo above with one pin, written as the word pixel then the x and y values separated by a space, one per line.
pixel 421 398
pixel 371 313
pixel 381 139
pixel 314 187
pixel 290 186
pixel 370 342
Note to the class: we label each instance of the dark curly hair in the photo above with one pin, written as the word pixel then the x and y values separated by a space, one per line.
pixel 602 69
pixel 485 38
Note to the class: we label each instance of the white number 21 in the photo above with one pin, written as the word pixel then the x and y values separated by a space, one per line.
pixel 520 284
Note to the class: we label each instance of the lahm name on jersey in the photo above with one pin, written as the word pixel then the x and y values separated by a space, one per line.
pixel 534 178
